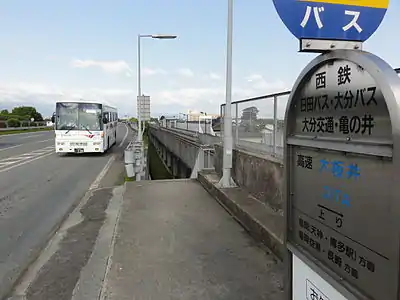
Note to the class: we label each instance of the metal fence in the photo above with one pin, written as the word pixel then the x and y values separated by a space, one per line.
pixel 258 123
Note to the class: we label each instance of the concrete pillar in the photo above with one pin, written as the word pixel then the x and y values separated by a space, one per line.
pixel 175 166
pixel 168 161
pixel 183 171
pixel 199 164
pixel 164 154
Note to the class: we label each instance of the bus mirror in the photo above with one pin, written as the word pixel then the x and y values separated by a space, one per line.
pixel 53 119
pixel 105 121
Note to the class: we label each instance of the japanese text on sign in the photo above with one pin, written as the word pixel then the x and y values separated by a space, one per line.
pixel 344 124
pixel 341 100
pixel 317 11
pixel 339 253
pixel 313 293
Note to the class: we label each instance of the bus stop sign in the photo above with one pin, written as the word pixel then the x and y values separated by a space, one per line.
pixel 345 20
pixel 341 157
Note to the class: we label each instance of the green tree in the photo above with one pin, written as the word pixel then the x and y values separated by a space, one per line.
pixel 27 111
pixel 4 112
pixel 133 120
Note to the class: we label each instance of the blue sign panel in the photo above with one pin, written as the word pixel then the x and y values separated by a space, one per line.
pixel 332 19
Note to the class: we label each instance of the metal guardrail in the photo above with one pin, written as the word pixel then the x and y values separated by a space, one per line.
pixel 24 128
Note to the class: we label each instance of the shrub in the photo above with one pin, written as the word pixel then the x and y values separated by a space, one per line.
pixel 13 123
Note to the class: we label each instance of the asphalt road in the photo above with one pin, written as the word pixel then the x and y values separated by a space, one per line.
pixel 37 189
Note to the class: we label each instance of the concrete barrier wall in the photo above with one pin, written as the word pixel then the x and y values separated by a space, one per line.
pixel 185 149
pixel 262 177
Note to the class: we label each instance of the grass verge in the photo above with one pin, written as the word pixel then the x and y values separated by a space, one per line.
pixel 129 178
pixel 122 178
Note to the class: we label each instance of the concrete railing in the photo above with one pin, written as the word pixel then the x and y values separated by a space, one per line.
pixel 249 146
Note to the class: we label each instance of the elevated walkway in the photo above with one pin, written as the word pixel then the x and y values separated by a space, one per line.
pixel 174 241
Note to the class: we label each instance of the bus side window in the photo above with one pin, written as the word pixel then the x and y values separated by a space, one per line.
pixel 106 118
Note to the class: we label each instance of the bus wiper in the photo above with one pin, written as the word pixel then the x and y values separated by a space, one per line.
pixel 86 129
pixel 72 127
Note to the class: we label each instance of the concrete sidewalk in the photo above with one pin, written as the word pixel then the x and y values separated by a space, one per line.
pixel 174 241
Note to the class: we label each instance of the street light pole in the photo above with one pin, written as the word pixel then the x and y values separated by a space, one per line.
pixel 226 180
pixel 139 83
pixel 139 79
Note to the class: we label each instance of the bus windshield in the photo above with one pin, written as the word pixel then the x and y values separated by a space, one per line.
pixel 78 116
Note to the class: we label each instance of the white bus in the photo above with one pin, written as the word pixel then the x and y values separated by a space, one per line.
pixel 83 127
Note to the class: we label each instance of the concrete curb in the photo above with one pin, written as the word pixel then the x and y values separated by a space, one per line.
pixel 259 220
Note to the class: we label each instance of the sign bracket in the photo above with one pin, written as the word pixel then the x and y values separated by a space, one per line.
pixel 323 45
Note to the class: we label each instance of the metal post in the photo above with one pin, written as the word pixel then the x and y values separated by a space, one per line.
pixel 275 121
pixel 226 180
pixel 187 122
pixel 139 136
pixel 139 90
pixel 221 126
pixel 237 126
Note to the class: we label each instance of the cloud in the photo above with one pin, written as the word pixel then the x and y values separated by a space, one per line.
pixel 44 96
pixel 193 95
pixel 151 72
pixel 214 76
pixel 185 72
pixel 209 99
pixel 258 82
pixel 111 66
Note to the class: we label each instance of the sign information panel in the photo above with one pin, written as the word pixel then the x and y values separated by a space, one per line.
pixel 346 20
pixel 143 106
pixel 340 169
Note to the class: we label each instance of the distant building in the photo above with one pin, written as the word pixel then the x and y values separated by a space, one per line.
pixel 216 124
pixel 249 114
pixel 193 116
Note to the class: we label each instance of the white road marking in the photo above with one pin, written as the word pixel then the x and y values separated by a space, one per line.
pixel 16 146
pixel 30 136
pixel 126 135
pixel 24 162
pixel 24 158
pixel 103 172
